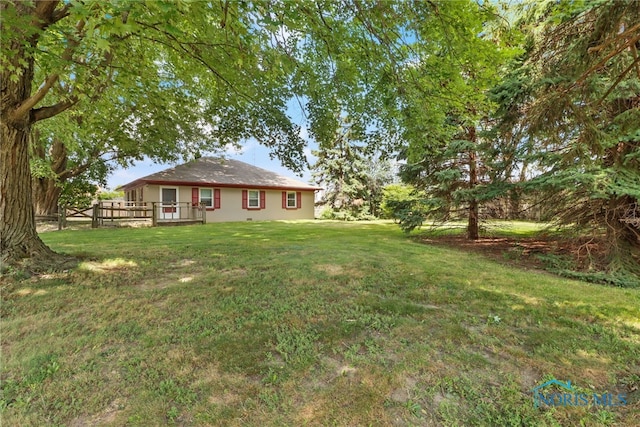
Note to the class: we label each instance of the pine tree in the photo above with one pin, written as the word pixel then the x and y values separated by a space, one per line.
pixel 445 111
pixel 341 168
pixel 582 116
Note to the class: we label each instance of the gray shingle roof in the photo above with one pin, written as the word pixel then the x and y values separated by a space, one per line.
pixel 222 172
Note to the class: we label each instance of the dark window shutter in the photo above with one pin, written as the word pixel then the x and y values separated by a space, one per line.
pixel 216 198
pixel 244 199
pixel 263 201
pixel 284 200
pixel 298 199
pixel 195 196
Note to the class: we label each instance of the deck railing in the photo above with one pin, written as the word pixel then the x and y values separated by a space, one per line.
pixel 106 212
pixel 178 212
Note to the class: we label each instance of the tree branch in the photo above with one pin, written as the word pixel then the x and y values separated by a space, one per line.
pixel 52 110
pixel 194 43
pixel 44 13
pixel 225 10
pixel 60 14
pixel 182 49
pixel 92 158
pixel 619 79
pixel 24 108
pixel 34 99
pixel 603 61
pixel 78 170
pixel 622 35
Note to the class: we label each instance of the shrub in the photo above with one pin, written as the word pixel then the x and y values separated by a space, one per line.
pixel 396 198
pixel 347 215
pixel 110 195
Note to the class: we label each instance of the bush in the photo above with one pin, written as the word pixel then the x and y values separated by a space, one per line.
pixel 347 215
pixel 402 204
pixel 110 195
pixel 407 207
pixel 77 192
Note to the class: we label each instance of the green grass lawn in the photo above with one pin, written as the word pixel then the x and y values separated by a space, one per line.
pixel 306 323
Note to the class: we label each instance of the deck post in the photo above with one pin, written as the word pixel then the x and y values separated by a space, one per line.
pixel 94 216
pixel 154 215
pixel 61 213
pixel 203 210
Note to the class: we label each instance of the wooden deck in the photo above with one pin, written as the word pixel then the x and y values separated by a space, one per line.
pixel 105 213
pixel 169 223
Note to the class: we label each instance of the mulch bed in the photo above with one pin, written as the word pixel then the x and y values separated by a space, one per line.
pixel 525 251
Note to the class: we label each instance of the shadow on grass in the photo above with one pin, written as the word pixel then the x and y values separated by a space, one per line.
pixel 320 323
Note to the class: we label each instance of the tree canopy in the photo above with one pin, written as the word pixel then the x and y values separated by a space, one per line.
pixel 124 79
pixel 480 102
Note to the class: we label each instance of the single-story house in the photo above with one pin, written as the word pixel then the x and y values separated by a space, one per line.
pixel 231 190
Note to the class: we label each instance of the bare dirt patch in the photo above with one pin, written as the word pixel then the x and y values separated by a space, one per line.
pixel 338 270
pixel 403 394
pixel 183 263
pixel 108 416
pixel 330 269
pixel 338 369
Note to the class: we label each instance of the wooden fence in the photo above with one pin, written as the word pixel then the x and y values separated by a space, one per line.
pixel 113 212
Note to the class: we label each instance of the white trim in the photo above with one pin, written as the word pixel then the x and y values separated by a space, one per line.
pixel 213 195
pixel 295 200
pixel 249 199
pixel 169 215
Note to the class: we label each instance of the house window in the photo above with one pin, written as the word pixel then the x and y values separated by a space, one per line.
pixel 291 200
pixel 206 197
pixel 253 199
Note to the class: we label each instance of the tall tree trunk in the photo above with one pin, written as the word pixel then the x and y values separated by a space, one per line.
pixel 18 236
pixel 17 222
pixel 515 199
pixel 515 195
pixel 47 189
pixel 46 193
pixel 472 226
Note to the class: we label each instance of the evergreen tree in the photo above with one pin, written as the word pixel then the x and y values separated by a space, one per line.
pixel 581 113
pixel 341 169
pixel 445 111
